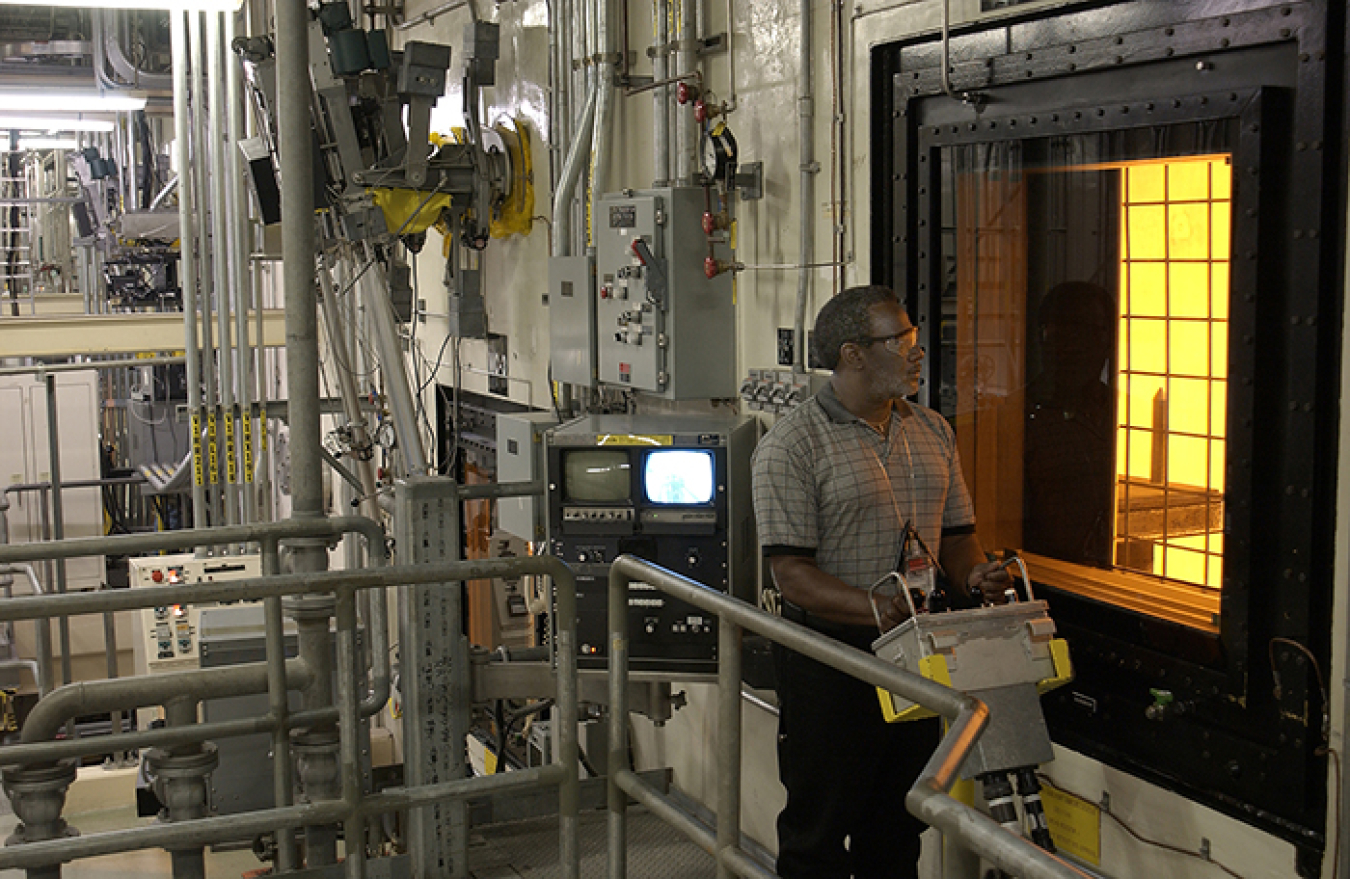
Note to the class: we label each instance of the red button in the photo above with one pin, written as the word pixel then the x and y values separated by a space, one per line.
pixel 157 575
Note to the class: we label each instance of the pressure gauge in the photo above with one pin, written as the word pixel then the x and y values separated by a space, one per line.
pixel 386 436
pixel 719 153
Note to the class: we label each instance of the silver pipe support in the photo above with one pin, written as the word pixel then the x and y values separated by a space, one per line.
pixel 212 830
pixel 807 168
pixel 728 742
pixel 187 255
pixel 661 95
pixel 58 518
pixel 571 173
pixel 220 263
pixel 110 655
pixel 351 400
pixel 241 275
pixel 928 799
pixel 297 222
pixel 394 367
pixel 89 697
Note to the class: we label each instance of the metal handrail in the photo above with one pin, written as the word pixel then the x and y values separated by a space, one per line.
pixel 352 809
pixel 928 799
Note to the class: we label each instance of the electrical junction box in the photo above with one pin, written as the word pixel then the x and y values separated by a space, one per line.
pixel 520 458
pixel 571 319
pixel 662 326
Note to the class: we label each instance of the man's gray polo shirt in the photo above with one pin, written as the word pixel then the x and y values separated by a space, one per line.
pixel 827 485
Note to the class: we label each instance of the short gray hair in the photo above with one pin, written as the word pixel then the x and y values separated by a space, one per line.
pixel 846 318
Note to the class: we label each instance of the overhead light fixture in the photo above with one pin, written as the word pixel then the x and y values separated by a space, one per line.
pixel 48 143
pixel 68 102
pixel 54 123
pixel 181 5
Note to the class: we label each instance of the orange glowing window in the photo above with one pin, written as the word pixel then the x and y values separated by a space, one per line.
pixel 1173 366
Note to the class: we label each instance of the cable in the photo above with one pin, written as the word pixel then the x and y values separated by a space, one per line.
pixel 1166 846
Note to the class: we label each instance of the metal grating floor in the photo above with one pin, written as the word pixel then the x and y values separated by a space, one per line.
pixel 529 849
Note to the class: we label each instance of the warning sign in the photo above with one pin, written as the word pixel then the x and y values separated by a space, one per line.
pixel 1075 825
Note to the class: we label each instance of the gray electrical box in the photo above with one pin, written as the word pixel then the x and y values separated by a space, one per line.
pixel 571 319
pixel 520 458
pixel 662 326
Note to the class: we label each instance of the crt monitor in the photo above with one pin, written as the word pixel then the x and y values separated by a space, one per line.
pixel 672 477
pixel 597 476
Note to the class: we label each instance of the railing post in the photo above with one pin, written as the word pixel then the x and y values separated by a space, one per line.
pixel 729 741
pixel 569 792
pixel 618 720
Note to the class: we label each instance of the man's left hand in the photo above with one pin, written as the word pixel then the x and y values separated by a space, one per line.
pixel 987 581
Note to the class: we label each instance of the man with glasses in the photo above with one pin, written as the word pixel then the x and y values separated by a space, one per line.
pixel 851 486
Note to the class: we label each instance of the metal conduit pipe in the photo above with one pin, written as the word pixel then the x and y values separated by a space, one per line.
pixel 220 240
pixel 42 635
pixel 93 697
pixel 241 277
pixel 213 830
pixel 928 799
pixel 661 95
pixel 392 362
pixel 297 219
pixel 808 168
pixel 604 110
pixel 686 63
pixel 58 518
pixel 351 400
pixel 571 173
pixel 206 257
pixel 220 263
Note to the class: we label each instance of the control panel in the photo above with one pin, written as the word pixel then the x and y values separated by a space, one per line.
pixel 166 637
pixel 779 391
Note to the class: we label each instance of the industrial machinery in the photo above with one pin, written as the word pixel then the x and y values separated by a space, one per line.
pixel 674 490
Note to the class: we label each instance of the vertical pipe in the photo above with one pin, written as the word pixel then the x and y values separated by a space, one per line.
pixel 240 276
pixel 686 129
pixel 58 518
pixel 569 792
pixel 297 217
pixel 661 95
pixel 617 800
pixel 206 257
pixel 728 741
pixel 110 655
pixel 264 489
pixel 220 244
pixel 354 830
pixel 275 636
pixel 604 107
pixel 187 260
pixel 43 630
pixel 806 199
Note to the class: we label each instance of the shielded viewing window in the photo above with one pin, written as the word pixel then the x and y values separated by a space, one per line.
pixel 1084 359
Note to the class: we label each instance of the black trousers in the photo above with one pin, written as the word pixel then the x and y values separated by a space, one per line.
pixel 846 772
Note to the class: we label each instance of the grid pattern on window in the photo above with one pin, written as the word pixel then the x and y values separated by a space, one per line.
pixel 1170 435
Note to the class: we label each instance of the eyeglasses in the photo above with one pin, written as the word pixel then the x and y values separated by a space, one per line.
pixel 901 343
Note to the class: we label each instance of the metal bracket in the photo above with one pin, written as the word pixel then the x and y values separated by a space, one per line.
pixel 714 44
pixel 749 181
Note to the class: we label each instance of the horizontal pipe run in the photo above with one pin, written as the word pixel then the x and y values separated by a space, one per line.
pixel 479 786
pixel 25 487
pixel 40 368
pixel 94 697
pixel 189 538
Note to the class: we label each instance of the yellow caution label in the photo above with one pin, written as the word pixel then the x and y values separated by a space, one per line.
pixel 262 434
pixel 1075 824
pixel 212 461
pixel 197 448
pixel 248 449
pixel 231 466
pixel 635 439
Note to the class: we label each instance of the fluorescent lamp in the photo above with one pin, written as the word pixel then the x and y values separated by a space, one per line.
pixel 68 102
pixel 54 123
pixel 187 5
pixel 48 143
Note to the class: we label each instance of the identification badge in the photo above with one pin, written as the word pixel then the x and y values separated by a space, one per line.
pixel 919 570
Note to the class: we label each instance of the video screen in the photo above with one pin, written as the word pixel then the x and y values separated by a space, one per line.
pixel 596 476
pixel 679 476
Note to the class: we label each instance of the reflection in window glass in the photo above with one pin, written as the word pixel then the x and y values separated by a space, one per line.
pixel 1083 351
